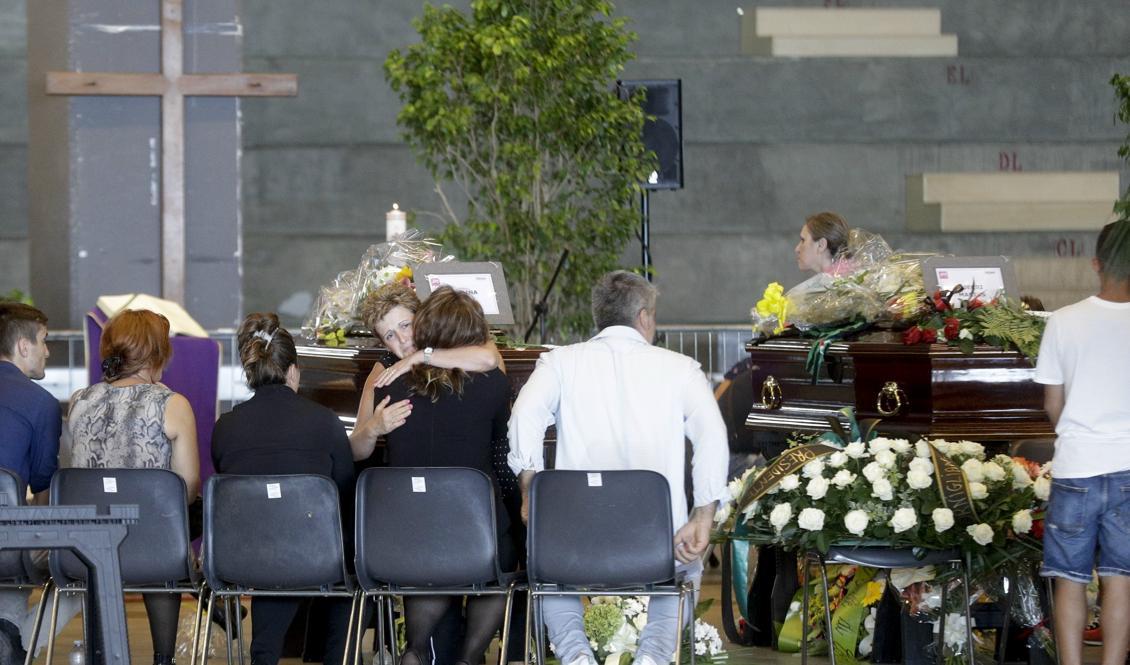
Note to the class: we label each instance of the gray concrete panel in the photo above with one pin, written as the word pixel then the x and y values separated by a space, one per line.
pixel 339 102
pixel 13 192
pixel 13 100
pixel 13 265
pixel 13 28
pixel 736 188
pixel 338 189
pixel 874 100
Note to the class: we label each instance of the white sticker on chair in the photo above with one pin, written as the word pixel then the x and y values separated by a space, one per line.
pixel 274 491
pixel 419 484
pixel 595 480
pixel 110 485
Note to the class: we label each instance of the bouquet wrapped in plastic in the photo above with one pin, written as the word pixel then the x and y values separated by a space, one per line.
pixel 335 309
pixel 870 283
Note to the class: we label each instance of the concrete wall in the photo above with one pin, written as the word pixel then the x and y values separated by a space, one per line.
pixel 767 141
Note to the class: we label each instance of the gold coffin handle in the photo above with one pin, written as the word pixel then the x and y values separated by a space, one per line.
pixel 891 400
pixel 770 393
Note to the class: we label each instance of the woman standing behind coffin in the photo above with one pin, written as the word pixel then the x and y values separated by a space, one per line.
pixel 131 420
pixel 456 417
pixel 279 432
pixel 822 250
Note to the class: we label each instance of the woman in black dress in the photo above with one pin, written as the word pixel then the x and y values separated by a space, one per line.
pixel 279 432
pixel 455 417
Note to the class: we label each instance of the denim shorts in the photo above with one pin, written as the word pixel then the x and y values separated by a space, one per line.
pixel 1085 514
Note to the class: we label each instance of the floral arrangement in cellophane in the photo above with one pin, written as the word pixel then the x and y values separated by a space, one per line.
pixel 335 309
pixel 872 284
pixel 613 625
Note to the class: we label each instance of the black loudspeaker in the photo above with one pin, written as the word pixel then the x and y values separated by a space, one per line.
pixel 662 134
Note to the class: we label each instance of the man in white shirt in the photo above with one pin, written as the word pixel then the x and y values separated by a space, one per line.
pixel 1084 363
pixel 621 403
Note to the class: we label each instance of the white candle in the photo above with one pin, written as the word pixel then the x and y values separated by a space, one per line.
pixel 396 222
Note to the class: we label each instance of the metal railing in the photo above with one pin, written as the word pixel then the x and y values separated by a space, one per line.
pixel 715 347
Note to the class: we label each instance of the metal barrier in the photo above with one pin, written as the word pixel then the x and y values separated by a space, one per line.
pixel 715 347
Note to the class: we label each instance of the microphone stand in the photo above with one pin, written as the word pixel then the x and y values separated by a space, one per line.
pixel 541 310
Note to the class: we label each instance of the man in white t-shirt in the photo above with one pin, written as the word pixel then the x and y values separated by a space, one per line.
pixel 1084 364
pixel 621 403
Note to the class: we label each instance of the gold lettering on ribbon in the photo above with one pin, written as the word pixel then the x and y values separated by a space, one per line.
pixel 788 462
pixel 952 486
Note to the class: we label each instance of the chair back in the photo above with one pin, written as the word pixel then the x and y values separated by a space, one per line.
pixel 272 532
pixel 12 562
pixel 425 527
pixel 600 528
pixel 156 549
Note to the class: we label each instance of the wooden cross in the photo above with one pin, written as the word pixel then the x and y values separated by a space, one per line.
pixel 172 85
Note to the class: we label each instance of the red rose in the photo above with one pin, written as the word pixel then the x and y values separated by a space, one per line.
pixel 1038 529
pixel 912 335
pixel 929 335
pixel 974 303
pixel 953 327
pixel 940 303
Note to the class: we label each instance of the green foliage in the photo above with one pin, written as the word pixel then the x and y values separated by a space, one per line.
pixel 1122 94
pixel 1009 325
pixel 16 295
pixel 513 104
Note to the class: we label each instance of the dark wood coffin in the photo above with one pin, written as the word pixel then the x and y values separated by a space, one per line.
pixel 928 389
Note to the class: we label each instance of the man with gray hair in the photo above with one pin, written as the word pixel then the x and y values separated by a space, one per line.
pixel 621 403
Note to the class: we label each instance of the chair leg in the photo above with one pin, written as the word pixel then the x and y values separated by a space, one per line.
pixel 965 603
pixel 827 612
pixel 529 627
pixel 942 627
pixel 54 624
pixel 381 646
pixel 48 588
pixel 237 606
pixel 804 609
pixel 227 627
pixel 1002 634
pixel 679 631
pixel 359 633
pixel 505 636
pixel 393 638
pixel 207 628
pixel 351 628
pixel 539 636
pixel 196 625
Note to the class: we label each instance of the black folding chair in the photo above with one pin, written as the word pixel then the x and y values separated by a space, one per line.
pixel 272 536
pixel 881 557
pixel 156 556
pixel 601 533
pixel 428 531
pixel 16 568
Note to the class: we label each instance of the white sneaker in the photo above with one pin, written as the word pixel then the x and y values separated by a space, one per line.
pixel 583 659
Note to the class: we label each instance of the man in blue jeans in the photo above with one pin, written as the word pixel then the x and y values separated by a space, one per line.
pixel 1084 364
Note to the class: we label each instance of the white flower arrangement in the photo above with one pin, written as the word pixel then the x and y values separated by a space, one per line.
pixel 613 625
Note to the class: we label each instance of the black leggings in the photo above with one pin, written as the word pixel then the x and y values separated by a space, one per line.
pixel 484 616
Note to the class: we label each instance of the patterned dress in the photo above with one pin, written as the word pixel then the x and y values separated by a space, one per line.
pixel 120 427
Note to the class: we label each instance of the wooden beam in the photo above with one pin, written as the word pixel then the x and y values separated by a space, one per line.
pixel 102 83
pixel 241 85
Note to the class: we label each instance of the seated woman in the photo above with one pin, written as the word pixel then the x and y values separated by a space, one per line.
pixel 456 415
pixel 131 420
pixel 279 432
pixel 389 312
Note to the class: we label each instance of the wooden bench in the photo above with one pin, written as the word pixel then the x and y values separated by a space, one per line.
pixel 1043 201
pixel 845 32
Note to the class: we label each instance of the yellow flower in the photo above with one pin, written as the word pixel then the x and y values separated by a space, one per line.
pixel 874 593
pixel 405 273
pixel 774 303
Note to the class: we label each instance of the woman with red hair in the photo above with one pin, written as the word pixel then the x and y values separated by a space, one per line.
pixel 131 420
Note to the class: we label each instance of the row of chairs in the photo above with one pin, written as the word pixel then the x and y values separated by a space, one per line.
pixel 417 531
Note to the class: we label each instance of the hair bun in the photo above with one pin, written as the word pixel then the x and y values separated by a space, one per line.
pixel 112 366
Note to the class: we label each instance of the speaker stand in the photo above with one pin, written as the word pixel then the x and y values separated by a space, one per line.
pixel 645 232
